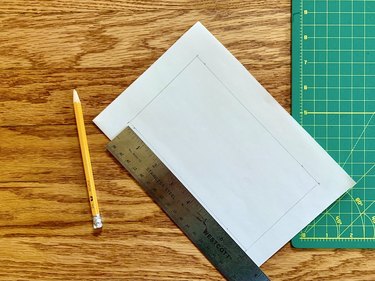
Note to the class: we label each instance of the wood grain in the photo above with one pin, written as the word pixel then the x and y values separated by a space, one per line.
pixel 100 47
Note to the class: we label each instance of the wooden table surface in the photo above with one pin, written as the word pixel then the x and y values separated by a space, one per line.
pixel 100 47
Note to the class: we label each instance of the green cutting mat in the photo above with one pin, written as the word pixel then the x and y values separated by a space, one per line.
pixel 333 97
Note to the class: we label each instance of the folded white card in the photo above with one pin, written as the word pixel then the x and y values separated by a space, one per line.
pixel 247 161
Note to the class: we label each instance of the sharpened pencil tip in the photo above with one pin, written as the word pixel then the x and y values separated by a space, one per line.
pixel 75 96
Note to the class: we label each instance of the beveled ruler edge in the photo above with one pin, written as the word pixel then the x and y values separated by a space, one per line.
pixel 183 209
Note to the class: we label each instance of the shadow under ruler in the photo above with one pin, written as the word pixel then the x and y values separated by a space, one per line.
pixel 333 98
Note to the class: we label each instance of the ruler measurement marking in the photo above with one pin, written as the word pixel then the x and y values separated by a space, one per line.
pixel 184 210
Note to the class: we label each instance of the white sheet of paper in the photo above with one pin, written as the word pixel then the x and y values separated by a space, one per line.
pixel 247 161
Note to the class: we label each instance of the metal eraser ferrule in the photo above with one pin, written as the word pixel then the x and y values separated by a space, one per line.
pixel 97 222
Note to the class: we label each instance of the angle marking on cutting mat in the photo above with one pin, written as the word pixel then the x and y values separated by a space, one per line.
pixel 178 203
pixel 333 97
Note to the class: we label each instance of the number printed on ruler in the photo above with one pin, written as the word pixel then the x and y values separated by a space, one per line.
pixel 181 206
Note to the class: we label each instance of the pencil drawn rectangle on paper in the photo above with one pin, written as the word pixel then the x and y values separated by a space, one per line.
pixel 247 161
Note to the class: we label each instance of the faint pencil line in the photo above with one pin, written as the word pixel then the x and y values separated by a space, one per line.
pixel 322 216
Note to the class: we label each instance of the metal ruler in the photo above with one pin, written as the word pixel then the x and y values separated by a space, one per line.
pixel 184 210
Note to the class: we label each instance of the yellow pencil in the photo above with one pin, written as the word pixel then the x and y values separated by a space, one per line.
pixel 96 218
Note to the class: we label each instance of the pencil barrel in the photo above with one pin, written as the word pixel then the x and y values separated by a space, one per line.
pixel 97 221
